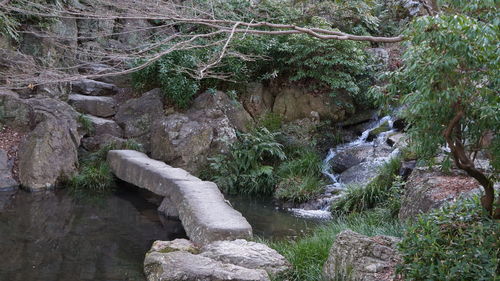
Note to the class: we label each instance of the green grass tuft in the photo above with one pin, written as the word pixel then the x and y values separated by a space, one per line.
pixel 308 254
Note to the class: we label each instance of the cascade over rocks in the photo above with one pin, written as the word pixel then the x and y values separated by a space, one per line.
pixel 362 258
pixel 429 188
pixel 221 260
pixel 187 139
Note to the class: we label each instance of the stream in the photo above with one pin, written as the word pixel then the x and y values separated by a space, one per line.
pixel 356 162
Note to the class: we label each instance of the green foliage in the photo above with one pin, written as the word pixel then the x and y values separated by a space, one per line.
pixel 8 26
pixel 95 178
pixel 383 191
pixel 308 254
pixel 248 167
pixel 458 242
pixel 271 121
pixel 86 124
pixel 451 62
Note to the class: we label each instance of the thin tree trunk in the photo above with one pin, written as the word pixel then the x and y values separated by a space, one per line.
pixel 464 163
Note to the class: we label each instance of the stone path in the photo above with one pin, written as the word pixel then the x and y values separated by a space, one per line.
pixel 201 207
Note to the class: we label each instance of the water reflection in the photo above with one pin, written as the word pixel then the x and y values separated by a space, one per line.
pixel 50 236
pixel 269 222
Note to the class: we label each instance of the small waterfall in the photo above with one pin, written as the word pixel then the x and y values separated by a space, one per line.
pixel 334 190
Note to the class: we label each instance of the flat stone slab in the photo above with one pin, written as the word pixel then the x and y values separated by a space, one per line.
pixel 94 88
pixel 202 209
pixel 97 106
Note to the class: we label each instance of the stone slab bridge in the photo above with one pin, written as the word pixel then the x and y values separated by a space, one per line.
pixel 201 207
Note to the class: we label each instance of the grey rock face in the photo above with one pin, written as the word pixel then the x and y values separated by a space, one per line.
pixel 257 100
pixel 363 258
pixel 186 140
pixel 49 152
pixel 98 106
pixel 96 142
pixel 16 112
pixel 221 260
pixel 94 88
pixel 103 126
pixel 179 265
pixel 205 215
pixel 168 208
pixel 295 103
pixel 247 254
pixel 7 182
pixel 428 189
pixel 137 116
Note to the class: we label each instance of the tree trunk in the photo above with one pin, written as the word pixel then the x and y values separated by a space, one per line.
pixel 453 138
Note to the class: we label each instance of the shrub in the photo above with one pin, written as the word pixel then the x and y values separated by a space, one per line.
pixel 384 189
pixel 96 178
pixel 308 254
pixel 458 242
pixel 248 167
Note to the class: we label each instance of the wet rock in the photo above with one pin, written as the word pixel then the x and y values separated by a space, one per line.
pixel 103 126
pixel 362 173
pixel 94 88
pixel 362 258
pixel 350 157
pixel 399 124
pixel 406 169
pixel 296 103
pixel 137 116
pixel 178 265
pixel 247 254
pixel 97 106
pixel 373 134
pixel 7 181
pixel 397 140
pixel 257 100
pixel 48 154
pixel 429 188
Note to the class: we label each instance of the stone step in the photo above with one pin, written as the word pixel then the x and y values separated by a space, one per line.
pixel 103 126
pixel 94 88
pixel 202 209
pixel 97 106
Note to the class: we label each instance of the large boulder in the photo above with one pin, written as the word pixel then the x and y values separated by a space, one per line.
pixel 48 154
pixel 350 156
pixel 221 260
pixel 93 105
pixel 362 173
pixel 187 139
pixel 137 116
pixel 297 103
pixel 358 257
pixel 101 126
pixel 247 254
pixel 94 88
pixel 239 118
pixel 430 188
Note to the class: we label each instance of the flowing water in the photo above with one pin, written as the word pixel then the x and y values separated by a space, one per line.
pixel 333 191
